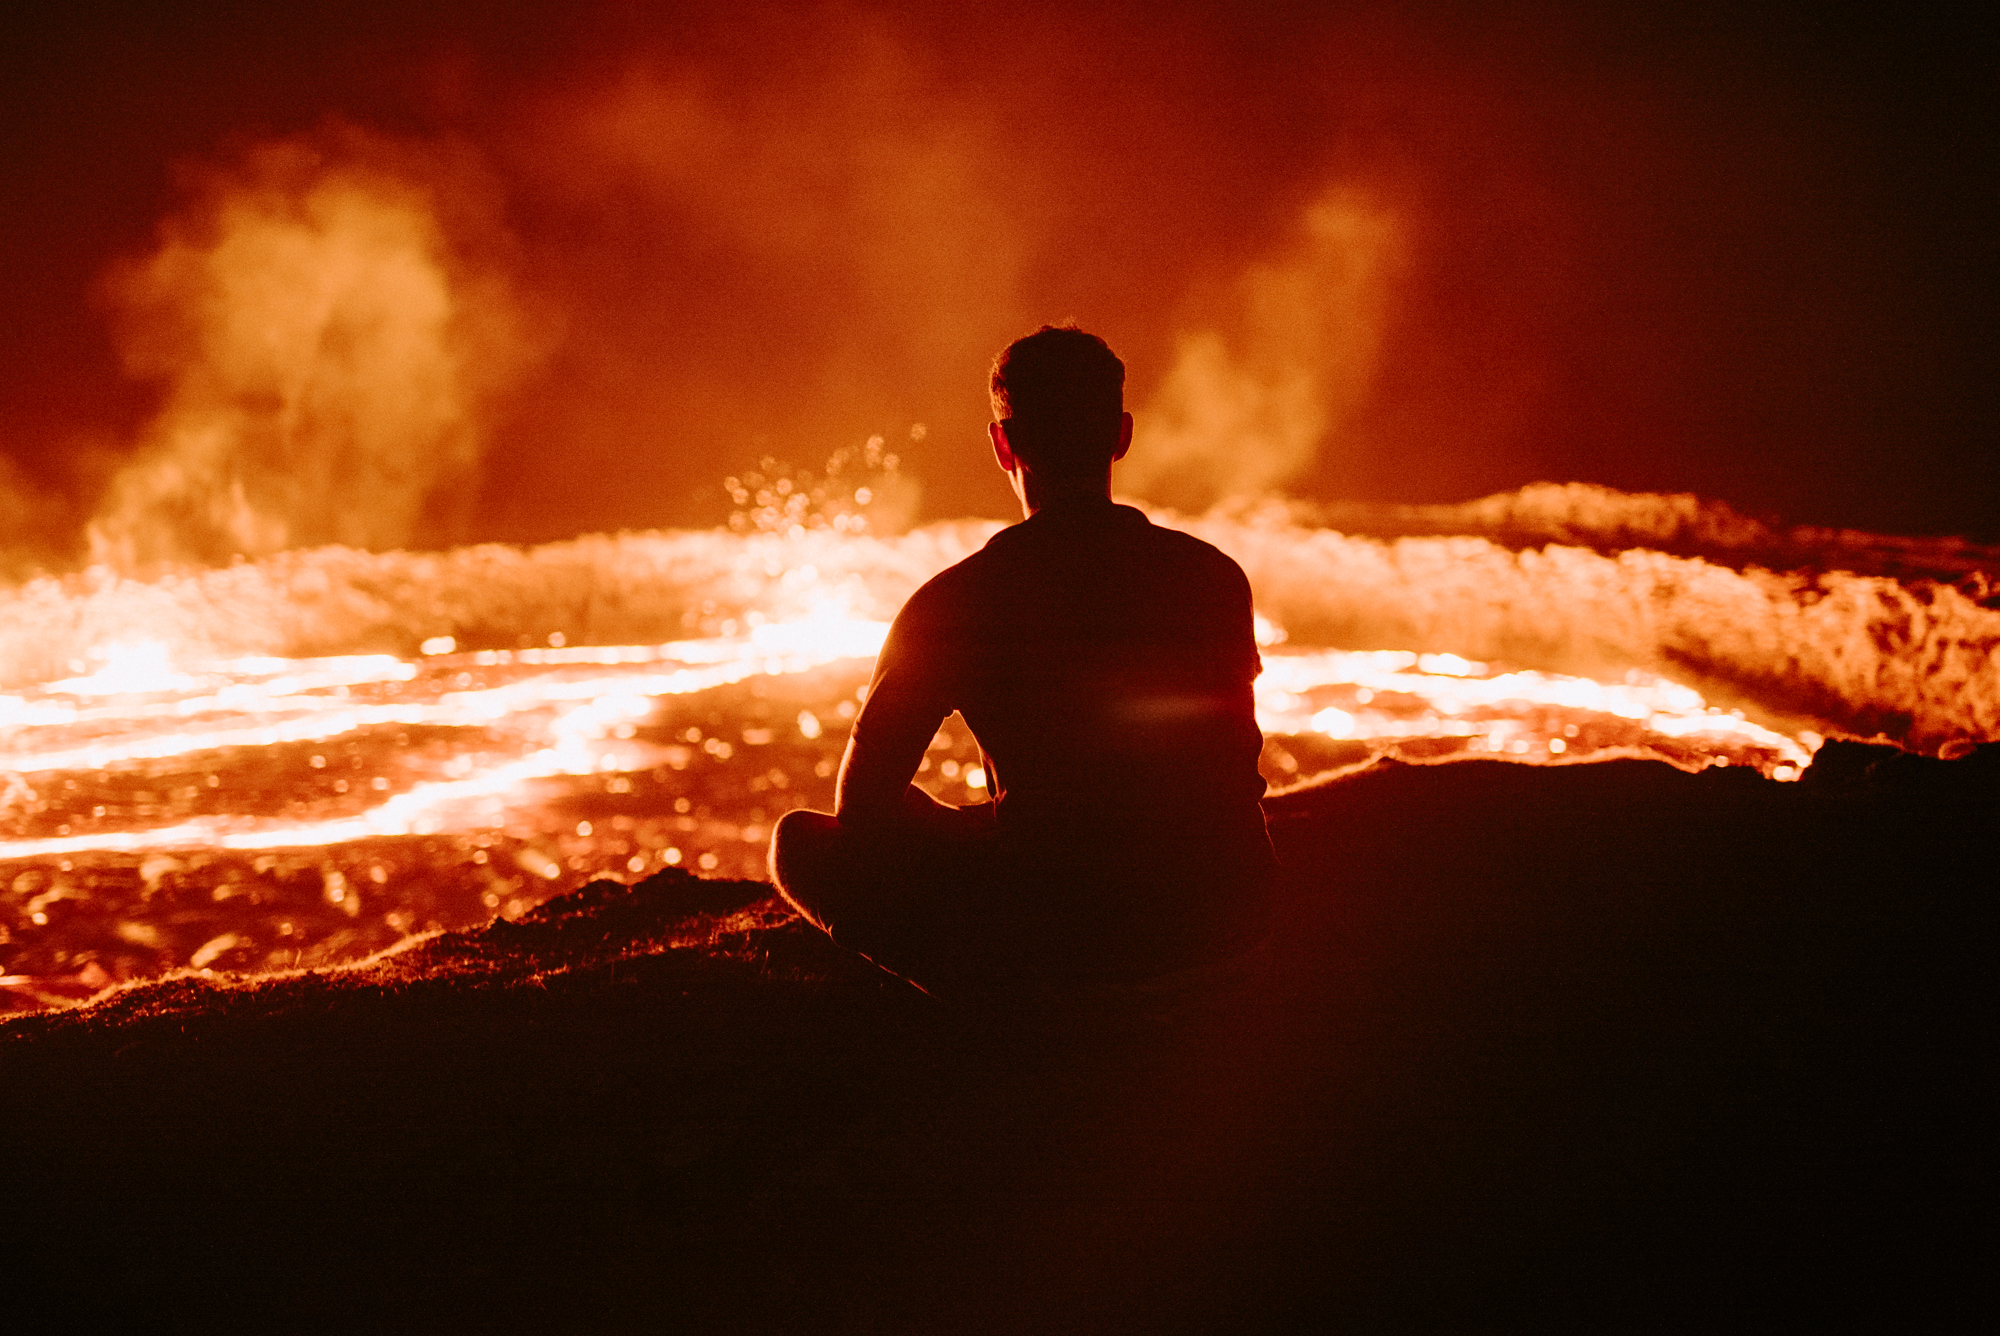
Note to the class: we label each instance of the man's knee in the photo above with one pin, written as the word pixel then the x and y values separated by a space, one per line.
pixel 801 844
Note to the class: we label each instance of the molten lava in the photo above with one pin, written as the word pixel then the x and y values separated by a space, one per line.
pixel 271 812
pixel 302 760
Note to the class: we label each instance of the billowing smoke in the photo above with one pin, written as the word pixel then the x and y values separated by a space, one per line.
pixel 1356 253
pixel 1240 416
pixel 326 336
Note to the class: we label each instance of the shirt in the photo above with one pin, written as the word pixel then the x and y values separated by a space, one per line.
pixel 1105 665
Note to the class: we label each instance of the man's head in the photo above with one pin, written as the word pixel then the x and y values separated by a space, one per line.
pixel 1059 405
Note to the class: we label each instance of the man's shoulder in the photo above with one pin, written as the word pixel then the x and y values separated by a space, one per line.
pixel 945 596
pixel 1115 525
pixel 1182 556
pixel 1183 541
pixel 966 570
pixel 1120 538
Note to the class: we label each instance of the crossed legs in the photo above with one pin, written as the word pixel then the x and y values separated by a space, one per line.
pixel 909 890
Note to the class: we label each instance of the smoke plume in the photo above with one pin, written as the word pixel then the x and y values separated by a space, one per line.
pixel 326 343
pixel 1240 417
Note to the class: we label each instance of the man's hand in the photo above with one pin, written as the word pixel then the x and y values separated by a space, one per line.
pixel 928 814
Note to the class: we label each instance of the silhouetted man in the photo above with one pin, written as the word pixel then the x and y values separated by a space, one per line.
pixel 1105 665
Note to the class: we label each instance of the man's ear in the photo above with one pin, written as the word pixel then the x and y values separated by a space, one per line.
pixel 1002 451
pixel 1124 436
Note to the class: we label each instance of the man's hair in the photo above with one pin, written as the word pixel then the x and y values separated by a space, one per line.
pixel 1061 392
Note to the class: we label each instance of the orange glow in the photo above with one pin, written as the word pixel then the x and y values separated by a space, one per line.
pixel 142 706
pixel 325 351
pixel 199 783
pixel 1360 269
pixel 1386 698
pixel 128 669
pixel 576 717
pixel 1238 418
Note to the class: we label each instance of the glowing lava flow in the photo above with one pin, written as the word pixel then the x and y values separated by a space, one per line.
pixel 292 704
pixel 1391 700
pixel 270 813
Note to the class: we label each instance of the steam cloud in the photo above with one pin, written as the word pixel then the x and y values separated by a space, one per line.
pixel 1240 419
pixel 326 345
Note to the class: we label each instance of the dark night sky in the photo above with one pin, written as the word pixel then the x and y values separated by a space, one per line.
pixel 1659 248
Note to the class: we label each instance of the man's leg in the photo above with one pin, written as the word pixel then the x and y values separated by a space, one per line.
pixel 806 861
pixel 907 883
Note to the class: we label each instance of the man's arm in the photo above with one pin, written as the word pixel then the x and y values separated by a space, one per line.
pixel 906 703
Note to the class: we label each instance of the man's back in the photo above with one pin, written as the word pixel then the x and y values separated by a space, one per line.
pixel 1105 665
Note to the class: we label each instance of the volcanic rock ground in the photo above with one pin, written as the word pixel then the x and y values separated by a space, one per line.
pixel 1607 1046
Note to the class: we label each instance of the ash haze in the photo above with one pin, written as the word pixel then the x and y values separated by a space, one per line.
pixel 355 273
